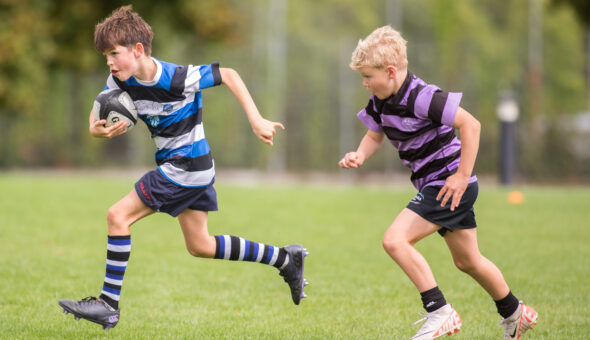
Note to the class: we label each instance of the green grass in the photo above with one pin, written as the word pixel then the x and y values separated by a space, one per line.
pixel 53 246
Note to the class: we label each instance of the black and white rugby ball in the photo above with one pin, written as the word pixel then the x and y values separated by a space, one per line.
pixel 115 105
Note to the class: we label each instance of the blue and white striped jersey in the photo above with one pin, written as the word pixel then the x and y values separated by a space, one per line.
pixel 171 106
pixel 418 121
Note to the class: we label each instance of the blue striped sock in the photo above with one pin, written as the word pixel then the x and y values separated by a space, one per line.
pixel 118 251
pixel 235 248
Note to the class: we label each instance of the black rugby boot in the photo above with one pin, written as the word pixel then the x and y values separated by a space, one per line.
pixel 293 271
pixel 92 309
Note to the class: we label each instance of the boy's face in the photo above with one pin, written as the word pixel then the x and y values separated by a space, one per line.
pixel 122 61
pixel 381 82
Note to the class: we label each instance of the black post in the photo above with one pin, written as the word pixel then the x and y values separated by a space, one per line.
pixel 507 152
pixel 508 115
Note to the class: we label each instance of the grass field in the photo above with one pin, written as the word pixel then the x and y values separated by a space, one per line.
pixel 53 246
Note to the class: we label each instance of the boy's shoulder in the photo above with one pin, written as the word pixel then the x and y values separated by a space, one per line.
pixel 414 82
pixel 168 66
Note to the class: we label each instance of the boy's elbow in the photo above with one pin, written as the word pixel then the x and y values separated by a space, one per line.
pixel 476 125
pixel 228 74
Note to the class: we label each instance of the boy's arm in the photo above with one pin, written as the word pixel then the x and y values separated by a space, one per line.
pixel 262 128
pixel 97 128
pixel 370 143
pixel 456 184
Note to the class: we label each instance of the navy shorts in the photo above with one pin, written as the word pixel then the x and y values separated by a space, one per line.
pixel 426 205
pixel 158 193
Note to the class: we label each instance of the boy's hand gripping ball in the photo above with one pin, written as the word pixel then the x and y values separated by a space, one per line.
pixel 115 105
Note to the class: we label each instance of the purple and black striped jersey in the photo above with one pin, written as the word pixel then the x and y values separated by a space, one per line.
pixel 418 121
pixel 171 106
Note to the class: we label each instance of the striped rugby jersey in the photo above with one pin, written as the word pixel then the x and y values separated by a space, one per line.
pixel 418 121
pixel 171 107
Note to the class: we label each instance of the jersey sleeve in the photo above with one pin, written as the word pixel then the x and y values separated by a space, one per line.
pixel 370 118
pixel 202 76
pixel 437 105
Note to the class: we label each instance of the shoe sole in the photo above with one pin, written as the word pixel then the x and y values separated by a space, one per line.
pixel 530 322
pixel 297 253
pixel 77 317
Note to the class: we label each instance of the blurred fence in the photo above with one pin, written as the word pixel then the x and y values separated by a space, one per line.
pixel 293 56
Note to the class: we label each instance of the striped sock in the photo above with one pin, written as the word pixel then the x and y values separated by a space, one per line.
pixel 118 251
pixel 235 248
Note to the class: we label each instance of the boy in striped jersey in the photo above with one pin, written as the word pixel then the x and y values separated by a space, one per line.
pixel 168 99
pixel 419 120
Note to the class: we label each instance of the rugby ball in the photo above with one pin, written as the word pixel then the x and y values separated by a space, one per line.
pixel 115 105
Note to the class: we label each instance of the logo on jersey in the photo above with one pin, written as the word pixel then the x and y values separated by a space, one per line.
pixel 417 199
pixel 154 120
pixel 168 108
pixel 409 123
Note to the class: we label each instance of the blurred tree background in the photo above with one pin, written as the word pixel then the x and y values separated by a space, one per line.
pixel 294 56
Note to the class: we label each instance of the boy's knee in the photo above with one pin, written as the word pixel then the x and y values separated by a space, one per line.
pixel 201 247
pixel 391 244
pixel 116 222
pixel 466 265
pixel 196 250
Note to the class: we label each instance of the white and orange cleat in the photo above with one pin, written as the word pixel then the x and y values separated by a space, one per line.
pixel 523 319
pixel 444 320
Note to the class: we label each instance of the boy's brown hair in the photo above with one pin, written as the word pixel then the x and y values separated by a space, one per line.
pixel 125 28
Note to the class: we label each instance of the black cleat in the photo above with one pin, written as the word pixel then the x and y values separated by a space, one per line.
pixel 92 309
pixel 293 272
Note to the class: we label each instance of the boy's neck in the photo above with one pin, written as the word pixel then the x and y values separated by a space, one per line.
pixel 147 69
pixel 400 77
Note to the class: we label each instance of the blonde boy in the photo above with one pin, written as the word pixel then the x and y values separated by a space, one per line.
pixel 419 119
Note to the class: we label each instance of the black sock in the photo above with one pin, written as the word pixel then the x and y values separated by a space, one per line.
pixel 508 305
pixel 432 299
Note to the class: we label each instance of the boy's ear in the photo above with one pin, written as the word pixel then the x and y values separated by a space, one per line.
pixel 391 70
pixel 138 50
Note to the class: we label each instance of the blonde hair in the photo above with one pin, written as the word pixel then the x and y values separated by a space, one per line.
pixel 384 46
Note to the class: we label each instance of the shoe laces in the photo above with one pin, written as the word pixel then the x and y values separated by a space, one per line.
pixel 93 299
pixel 424 318
pixel 429 319
pixel 90 299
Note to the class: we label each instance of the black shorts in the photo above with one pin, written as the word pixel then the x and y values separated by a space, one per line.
pixel 426 205
pixel 158 193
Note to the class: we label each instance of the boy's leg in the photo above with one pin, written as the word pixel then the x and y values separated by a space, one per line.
pixel 406 230
pixel 465 251
pixel 120 217
pixel 196 235
pixel 104 310
pixel 289 260
pixel 517 317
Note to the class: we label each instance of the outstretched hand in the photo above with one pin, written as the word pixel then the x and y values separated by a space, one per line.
pixel 265 130
pixel 351 160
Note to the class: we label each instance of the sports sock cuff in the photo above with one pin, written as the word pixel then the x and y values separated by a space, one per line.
pixel 432 299
pixel 113 303
pixel 508 305
pixel 120 237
